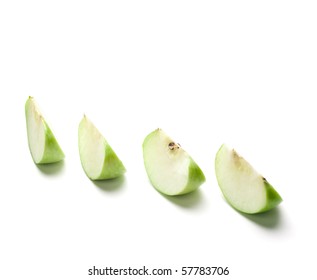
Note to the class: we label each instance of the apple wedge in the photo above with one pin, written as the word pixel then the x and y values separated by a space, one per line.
pixel 242 186
pixel 169 167
pixel 43 145
pixel 98 159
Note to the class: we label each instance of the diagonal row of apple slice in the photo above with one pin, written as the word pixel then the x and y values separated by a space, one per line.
pixel 170 169
pixel 173 172
pixel 98 159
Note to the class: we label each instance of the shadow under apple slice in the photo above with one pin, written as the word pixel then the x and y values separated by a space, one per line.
pixel 270 219
pixel 51 168
pixel 189 200
pixel 110 185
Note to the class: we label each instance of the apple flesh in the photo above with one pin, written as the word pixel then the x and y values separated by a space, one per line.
pixel 43 145
pixel 98 159
pixel 169 167
pixel 242 186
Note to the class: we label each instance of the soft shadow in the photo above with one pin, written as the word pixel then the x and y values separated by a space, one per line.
pixel 270 219
pixel 189 200
pixel 51 168
pixel 110 185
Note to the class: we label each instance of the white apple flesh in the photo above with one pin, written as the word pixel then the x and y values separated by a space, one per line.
pixel 43 145
pixel 242 186
pixel 169 167
pixel 98 159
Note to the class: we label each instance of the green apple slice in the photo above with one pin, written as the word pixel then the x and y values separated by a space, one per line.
pixel 169 167
pixel 242 186
pixel 98 159
pixel 43 145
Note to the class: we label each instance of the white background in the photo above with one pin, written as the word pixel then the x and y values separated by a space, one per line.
pixel 207 72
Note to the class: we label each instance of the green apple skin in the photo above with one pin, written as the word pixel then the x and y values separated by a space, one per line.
pixel 272 197
pixel 112 166
pixel 195 179
pixel 195 175
pixel 52 151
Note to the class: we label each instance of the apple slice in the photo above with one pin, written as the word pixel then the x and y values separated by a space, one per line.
pixel 98 159
pixel 43 145
pixel 169 167
pixel 242 186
